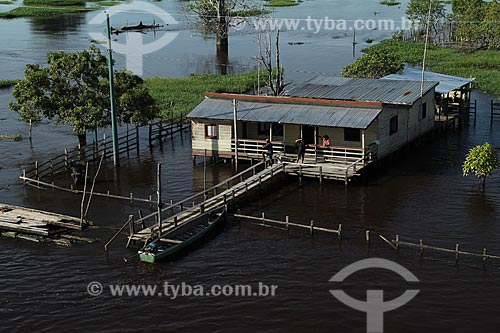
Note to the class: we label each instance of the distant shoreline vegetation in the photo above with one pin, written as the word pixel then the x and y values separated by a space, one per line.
pixel 37 8
pixel 4 84
pixel 483 65
pixel 282 3
pixel 390 2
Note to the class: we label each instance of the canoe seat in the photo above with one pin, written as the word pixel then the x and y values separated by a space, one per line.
pixel 168 240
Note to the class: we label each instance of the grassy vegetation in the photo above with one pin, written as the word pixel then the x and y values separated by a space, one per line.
pixel 484 65
pixel 35 8
pixel 282 3
pixel 28 11
pixel 248 12
pixel 54 3
pixel 185 93
pixel 109 3
pixel 3 2
pixel 17 137
pixel 7 83
pixel 390 2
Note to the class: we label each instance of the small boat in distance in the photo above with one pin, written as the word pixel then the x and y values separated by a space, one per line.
pixel 182 236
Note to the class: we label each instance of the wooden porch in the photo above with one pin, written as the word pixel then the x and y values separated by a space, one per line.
pixel 335 162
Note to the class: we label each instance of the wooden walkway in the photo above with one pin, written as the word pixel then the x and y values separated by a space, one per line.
pixel 228 194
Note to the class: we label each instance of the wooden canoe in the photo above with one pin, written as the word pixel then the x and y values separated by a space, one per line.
pixel 181 237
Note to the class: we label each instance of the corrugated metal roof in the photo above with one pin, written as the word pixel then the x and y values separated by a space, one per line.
pixel 446 84
pixel 355 89
pixel 299 114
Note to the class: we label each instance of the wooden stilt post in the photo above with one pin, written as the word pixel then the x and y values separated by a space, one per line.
pixel 66 158
pixel 131 225
pixel 457 254
pixel 287 220
pixel 143 223
pixel 312 228
pixel 340 231
pixel 421 248
pixel 127 142
pixel 158 194
pixel 137 139
pixel 263 219
pixel 205 174
pixel 150 135
pixel 367 237
pixel 397 242
pixel 320 174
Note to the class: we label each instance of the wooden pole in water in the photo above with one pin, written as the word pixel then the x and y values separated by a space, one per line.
pixel 205 175
pixel 84 191
pixel 367 237
pixel 235 112
pixel 158 192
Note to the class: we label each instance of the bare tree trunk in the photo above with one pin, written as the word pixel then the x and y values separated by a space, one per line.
pixel 222 53
pixel 82 139
pixel 222 40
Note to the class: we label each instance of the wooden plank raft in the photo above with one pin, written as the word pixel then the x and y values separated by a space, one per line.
pixel 16 221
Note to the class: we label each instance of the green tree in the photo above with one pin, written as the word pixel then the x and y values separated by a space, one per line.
pixel 481 160
pixel 74 89
pixel 459 6
pixel 374 64
pixel 418 11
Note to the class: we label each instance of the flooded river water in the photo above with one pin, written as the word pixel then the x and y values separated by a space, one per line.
pixel 423 195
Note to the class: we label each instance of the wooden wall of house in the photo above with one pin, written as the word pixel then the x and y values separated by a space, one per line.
pixel 337 137
pixel 411 126
pixel 222 145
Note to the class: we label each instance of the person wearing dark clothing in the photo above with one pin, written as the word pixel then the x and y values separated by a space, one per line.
pixel 301 149
pixel 269 151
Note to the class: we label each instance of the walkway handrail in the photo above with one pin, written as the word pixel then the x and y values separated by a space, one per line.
pixel 196 195
pixel 130 218
pixel 353 166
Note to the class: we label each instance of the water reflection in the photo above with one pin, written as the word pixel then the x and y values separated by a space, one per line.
pixel 57 24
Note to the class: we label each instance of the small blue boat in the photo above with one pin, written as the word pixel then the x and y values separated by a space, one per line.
pixel 182 236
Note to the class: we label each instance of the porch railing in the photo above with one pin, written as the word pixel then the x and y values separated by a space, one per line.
pixel 316 153
pixel 254 148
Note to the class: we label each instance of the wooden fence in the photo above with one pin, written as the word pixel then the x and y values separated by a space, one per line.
pixel 395 244
pixel 127 141
pixel 165 128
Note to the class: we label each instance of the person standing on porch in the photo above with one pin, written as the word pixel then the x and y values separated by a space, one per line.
pixel 301 150
pixel 269 153
pixel 326 141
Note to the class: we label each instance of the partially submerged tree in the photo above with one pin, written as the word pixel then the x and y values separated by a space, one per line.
pixel 481 160
pixel 418 12
pixel 217 16
pixel 374 64
pixel 74 90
